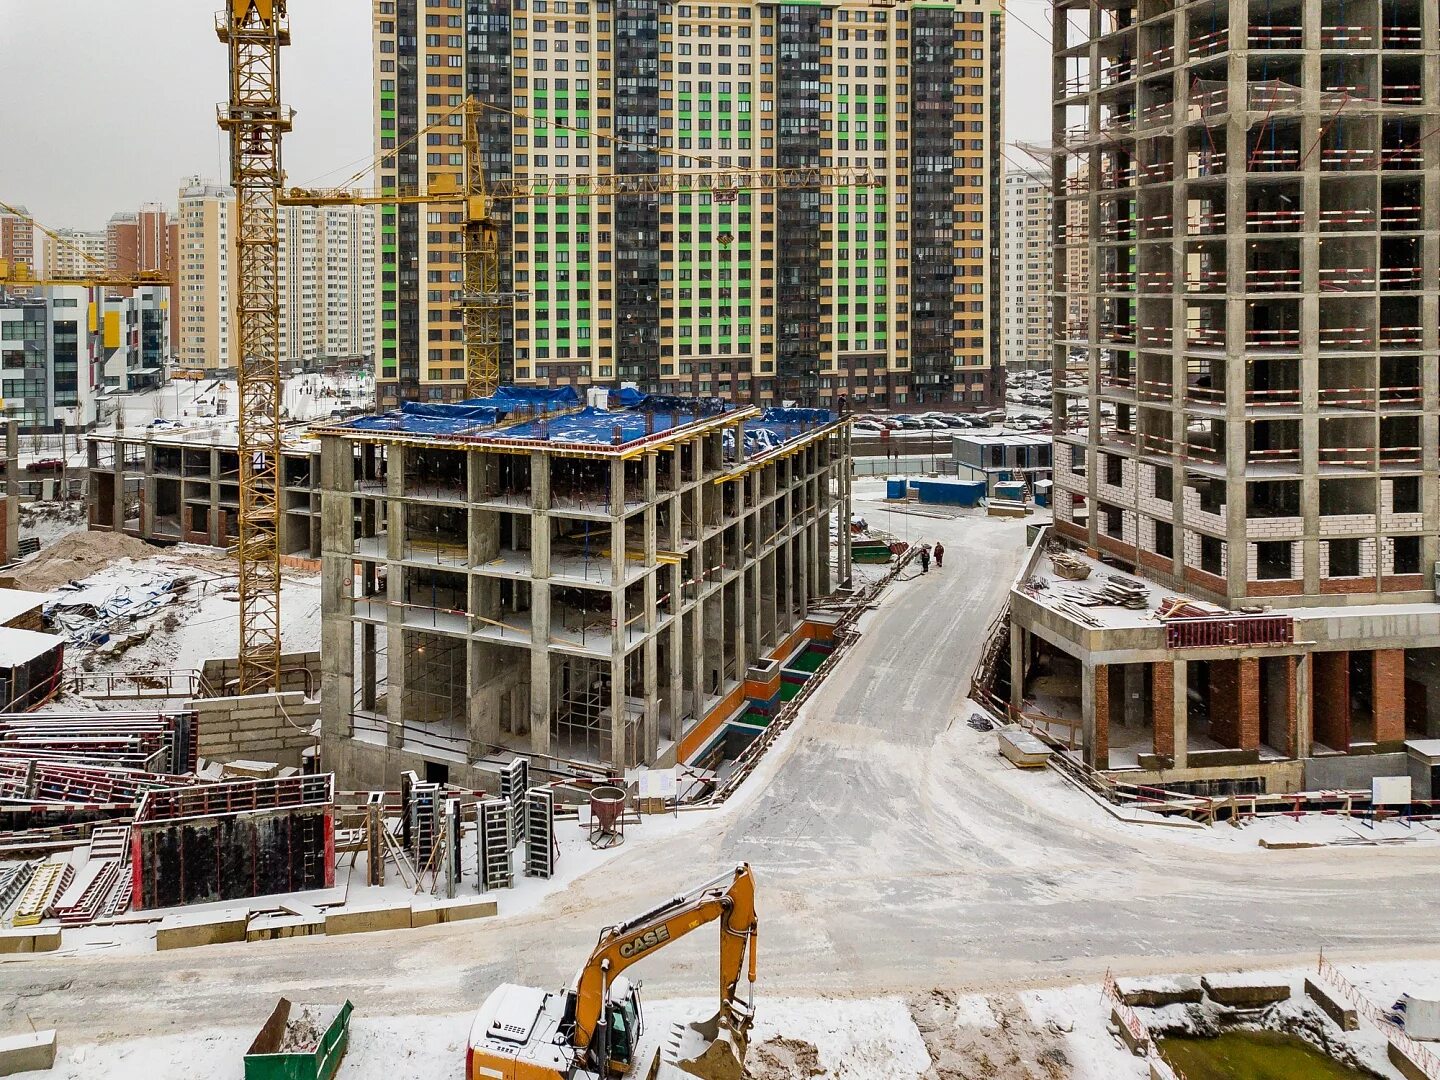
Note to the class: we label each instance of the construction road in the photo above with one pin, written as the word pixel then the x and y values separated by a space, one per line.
pixel 893 850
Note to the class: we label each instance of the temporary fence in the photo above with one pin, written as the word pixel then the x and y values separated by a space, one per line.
pixel 1421 1057
pixel 1160 1068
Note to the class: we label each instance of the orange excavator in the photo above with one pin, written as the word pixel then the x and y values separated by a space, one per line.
pixel 593 1029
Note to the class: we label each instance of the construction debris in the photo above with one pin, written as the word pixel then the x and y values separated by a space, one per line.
pixel 1118 591
pixel 1068 566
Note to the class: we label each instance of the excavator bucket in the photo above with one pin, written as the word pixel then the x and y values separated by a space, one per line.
pixel 712 1049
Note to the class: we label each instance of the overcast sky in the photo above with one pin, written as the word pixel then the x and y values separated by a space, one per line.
pixel 105 104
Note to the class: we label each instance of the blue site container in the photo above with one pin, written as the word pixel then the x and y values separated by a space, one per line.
pixel 1010 489
pixel 895 490
pixel 951 492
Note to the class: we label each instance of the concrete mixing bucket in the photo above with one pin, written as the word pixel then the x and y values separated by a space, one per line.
pixel 606 804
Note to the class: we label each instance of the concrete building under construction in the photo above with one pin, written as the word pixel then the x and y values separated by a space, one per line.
pixel 1256 190
pixel 594 585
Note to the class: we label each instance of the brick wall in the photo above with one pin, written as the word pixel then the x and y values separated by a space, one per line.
pixel 1147 501
pixel 223 674
pixel 1347 524
pixel 1099 753
pixel 1202 519
pixel 259 727
pixel 1389 695
pixel 1330 699
pixel 1235 702
pixel 1390 521
pixel 1162 706
pixel 1278 528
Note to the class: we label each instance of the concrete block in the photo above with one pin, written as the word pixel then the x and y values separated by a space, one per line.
pixel 1242 992
pixel 1408 1069
pixel 188 931
pixel 430 912
pixel 42 939
pixel 1344 1017
pixel 1158 992
pixel 273 927
pixel 364 920
pixel 46 939
pixel 27 1053
pixel 1138 1046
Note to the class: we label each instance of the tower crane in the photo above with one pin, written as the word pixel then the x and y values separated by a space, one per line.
pixel 255 31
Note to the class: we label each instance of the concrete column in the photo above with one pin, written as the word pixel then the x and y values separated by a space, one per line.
pixel 1304 698
pixel 540 706
pixel 1135 706
pixel 117 497
pixel 217 514
pixel 1017 668
pixel 802 576
pixel 337 643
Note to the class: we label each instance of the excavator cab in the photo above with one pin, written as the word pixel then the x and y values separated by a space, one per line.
pixel 625 1023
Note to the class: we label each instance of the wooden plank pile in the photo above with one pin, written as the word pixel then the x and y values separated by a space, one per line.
pixel 1068 566
pixel 1118 591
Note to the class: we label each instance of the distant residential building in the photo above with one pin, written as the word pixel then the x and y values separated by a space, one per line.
pixel 327 273
pixel 17 238
pixel 1026 269
pixel 206 273
pixel 79 252
pixel 327 280
pixel 46 370
pixel 133 339
pixel 144 240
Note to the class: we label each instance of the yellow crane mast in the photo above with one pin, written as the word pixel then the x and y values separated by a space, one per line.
pixel 255 31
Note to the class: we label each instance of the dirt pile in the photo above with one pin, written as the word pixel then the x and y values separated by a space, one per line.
pixel 784 1059
pixel 1006 1045
pixel 76 556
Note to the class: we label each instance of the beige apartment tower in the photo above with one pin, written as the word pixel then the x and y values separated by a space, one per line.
pixel 206 270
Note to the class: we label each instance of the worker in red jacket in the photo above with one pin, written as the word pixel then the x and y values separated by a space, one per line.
pixel 939 554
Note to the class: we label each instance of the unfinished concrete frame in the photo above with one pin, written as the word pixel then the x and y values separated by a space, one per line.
pixel 171 486
pixel 1257 193
pixel 577 604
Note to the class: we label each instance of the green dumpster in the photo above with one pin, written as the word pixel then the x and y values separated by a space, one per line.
pixel 300 1042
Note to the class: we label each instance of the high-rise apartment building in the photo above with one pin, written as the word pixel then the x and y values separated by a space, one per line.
pixel 145 240
pixel 883 293
pixel 1027 269
pixel 17 241
pixel 327 280
pixel 80 253
pixel 327 274
pixel 1254 357
pixel 206 272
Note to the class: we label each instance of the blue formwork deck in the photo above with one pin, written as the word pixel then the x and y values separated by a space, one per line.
pixel 551 417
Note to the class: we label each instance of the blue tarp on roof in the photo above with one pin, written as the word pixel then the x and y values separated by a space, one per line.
pixel 426 418
pixel 597 426
pixel 537 395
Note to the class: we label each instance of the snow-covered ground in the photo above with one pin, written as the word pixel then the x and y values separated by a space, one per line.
pixel 1057 1031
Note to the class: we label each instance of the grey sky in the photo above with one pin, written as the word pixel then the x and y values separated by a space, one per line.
pixel 107 104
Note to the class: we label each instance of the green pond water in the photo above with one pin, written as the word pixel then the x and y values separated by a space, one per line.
pixel 1253 1055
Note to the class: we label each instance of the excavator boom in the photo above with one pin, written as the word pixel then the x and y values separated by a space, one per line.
pixel 733 904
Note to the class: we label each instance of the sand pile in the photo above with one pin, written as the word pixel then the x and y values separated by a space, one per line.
pixel 77 556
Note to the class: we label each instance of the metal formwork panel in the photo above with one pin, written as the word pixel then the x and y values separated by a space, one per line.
pixel 514 780
pixel 540 853
pixel 495 871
